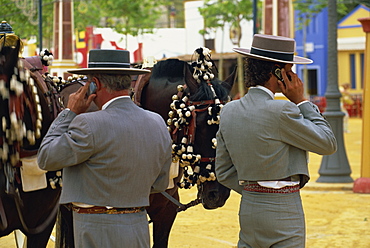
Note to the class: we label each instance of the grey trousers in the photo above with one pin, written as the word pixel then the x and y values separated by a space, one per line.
pixel 111 230
pixel 271 220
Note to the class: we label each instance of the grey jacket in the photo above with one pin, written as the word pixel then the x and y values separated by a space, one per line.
pixel 265 139
pixel 113 157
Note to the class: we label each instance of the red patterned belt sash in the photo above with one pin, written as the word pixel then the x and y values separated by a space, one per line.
pixel 255 187
pixel 107 210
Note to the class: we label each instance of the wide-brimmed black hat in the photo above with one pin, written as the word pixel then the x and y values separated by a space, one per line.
pixel 109 62
pixel 273 48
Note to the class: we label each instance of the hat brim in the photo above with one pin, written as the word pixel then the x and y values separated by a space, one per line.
pixel 296 59
pixel 129 71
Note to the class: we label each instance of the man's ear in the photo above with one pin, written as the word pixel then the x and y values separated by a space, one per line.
pixel 99 85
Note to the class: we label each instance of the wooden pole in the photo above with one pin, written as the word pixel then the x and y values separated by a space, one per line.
pixel 365 159
pixel 362 184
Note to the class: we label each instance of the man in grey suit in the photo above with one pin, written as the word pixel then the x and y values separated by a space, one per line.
pixel 112 159
pixel 262 145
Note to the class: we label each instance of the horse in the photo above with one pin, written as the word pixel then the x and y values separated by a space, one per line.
pixel 189 98
pixel 29 103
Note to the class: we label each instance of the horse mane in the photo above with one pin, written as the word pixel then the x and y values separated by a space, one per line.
pixel 173 69
pixel 205 92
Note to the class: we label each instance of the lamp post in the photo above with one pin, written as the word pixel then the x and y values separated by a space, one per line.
pixel 334 168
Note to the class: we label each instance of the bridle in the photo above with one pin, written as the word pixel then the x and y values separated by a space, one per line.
pixel 183 127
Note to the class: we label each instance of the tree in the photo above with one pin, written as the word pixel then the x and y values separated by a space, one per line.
pixel 124 16
pixel 23 18
pixel 131 17
pixel 216 13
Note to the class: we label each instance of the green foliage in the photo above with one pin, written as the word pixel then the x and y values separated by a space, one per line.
pixel 307 9
pixel 218 12
pixel 86 13
pixel 21 23
pixel 124 16
pixel 131 17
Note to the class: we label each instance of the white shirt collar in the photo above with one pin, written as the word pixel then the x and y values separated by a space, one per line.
pixel 113 99
pixel 266 90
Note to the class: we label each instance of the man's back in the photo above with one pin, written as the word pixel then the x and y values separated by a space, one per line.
pixel 114 147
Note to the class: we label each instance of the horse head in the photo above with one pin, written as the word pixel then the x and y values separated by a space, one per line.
pixel 208 98
pixel 190 101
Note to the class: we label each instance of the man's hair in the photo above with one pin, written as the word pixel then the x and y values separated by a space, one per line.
pixel 113 82
pixel 258 72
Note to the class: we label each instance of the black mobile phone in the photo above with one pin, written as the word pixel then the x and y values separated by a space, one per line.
pixel 277 72
pixel 92 88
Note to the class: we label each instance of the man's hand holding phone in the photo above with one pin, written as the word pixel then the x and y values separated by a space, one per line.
pixel 80 101
pixel 291 86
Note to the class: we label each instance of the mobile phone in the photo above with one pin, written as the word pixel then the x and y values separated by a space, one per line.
pixel 92 89
pixel 277 72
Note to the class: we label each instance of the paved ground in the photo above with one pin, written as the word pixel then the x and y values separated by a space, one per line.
pixel 335 216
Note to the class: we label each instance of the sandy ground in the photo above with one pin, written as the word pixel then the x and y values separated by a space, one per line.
pixel 335 216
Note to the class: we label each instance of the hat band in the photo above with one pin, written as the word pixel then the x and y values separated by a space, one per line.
pixel 273 55
pixel 108 65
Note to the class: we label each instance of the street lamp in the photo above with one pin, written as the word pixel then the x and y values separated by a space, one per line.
pixel 334 168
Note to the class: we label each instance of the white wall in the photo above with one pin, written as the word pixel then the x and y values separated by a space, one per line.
pixel 172 42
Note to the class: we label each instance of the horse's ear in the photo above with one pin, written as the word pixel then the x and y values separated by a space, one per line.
pixel 230 80
pixel 189 80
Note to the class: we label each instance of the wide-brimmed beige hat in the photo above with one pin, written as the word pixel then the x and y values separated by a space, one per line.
pixel 109 62
pixel 273 48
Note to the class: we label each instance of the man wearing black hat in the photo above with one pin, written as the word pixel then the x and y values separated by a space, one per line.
pixel 112 159
pixel 262 145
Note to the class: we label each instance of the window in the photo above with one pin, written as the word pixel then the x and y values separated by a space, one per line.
pixel 312 81
pixel 362 69
pixel 352 64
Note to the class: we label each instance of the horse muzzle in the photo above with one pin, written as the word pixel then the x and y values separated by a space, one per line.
pixel 214 194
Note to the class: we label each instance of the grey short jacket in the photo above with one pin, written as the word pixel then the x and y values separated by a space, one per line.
pixel 265 139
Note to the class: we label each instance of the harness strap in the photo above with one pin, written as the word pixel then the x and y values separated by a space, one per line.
pixel 181 207
pixel 208 159
pixel 191 128
pixel 141 81
pixel 205 102
pixel 4 220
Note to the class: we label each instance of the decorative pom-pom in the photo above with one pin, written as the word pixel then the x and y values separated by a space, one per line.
pixel 180 88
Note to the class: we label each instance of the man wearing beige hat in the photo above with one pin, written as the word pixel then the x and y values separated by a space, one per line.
pixel 112 159
pixel 262 145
